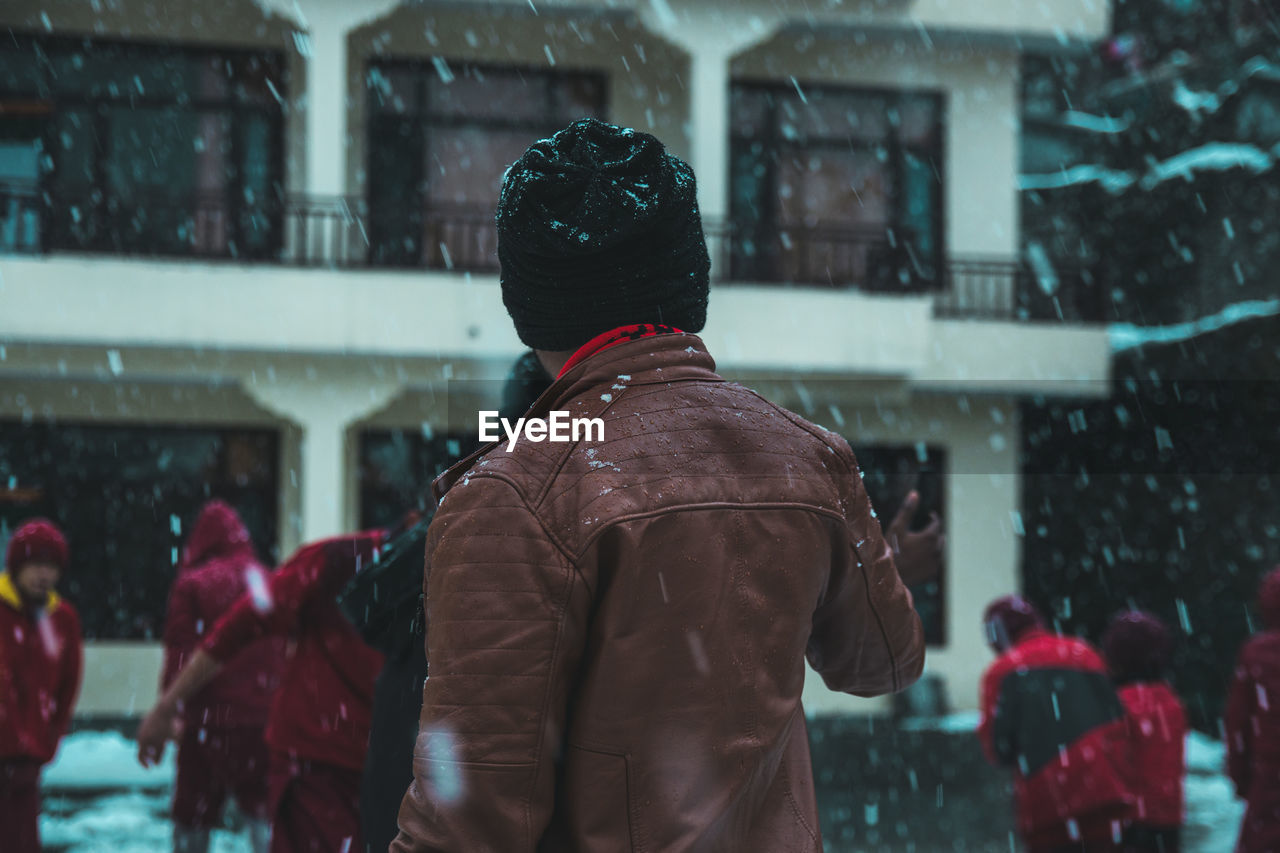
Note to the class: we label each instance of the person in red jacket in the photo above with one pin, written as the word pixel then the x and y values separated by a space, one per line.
pixel 1050 714
pixel 1253 726
pixel 221 748
pixel 41 659
pixel 318 725
pixel 1137 646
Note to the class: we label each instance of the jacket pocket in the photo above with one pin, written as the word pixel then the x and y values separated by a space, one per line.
pixel 598 798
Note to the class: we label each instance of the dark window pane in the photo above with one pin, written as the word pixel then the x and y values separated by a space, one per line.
pixel 393 89
pixel 481 94
pixel 434 176
pixel 127 497
pixel 749 110
pixel 833 186
pixel 20 70
pixel 397 468
pixel 258 79
pixel 576 97
pixel 157 150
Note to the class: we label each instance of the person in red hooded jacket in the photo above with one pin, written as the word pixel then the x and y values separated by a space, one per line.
pixel 318 726
pixel 1137 646
pixel 1050 714
pixel 1253 726
pixel 41 659
pixel 221 748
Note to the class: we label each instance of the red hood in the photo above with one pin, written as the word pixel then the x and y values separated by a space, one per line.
pixel 219 532
pixel 1269 599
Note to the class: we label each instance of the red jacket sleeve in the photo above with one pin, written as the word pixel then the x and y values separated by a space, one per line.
pixel 73 667
pixel 314 572
pixel 180 633
pixel 1238 724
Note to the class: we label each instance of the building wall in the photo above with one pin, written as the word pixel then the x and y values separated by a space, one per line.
pixel 320 354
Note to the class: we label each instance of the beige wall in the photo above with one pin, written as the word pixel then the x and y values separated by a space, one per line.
pixel 269 327
pixel 120 679
pixel 1061 19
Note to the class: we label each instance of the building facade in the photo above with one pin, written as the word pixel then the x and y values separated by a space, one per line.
pixel 248 251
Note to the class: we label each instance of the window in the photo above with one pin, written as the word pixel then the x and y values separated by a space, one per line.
pixel 127 497
pixel 397 468
pixel 835 186
pixel 140 149
pixel 440 140
pixel 891 471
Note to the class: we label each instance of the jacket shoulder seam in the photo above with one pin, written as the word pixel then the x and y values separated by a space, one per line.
pixel 702 507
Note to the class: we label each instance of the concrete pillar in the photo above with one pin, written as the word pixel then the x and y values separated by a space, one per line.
pixel 709 120
pixel 323 414
pixel 322 40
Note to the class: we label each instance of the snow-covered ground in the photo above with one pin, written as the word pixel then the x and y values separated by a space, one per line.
pixel 1213 812
pixel 99 800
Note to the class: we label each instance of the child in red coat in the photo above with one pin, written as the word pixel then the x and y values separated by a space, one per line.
pixel 41 658
pixel 1050 714
pixel 1137 646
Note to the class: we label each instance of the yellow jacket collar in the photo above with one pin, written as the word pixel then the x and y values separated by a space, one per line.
pixel 9 594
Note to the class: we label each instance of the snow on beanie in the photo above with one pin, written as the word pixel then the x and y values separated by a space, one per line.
pixel 598 227
pixel 1137 646
pixel 37 541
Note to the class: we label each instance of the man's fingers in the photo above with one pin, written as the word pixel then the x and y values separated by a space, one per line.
pixel 902 520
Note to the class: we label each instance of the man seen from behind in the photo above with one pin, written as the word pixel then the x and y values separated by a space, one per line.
pixel 617 628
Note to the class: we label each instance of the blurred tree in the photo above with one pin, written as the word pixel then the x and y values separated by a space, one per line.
pixel 1153 164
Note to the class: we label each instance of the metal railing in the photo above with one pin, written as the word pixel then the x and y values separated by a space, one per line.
pixel 346 232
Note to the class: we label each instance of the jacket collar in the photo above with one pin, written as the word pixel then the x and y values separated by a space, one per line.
pixel 9 595
pixel 650 360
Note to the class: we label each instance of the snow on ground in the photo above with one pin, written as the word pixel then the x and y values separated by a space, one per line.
pixel 98 800
pixel 1213 812
pixel 97 760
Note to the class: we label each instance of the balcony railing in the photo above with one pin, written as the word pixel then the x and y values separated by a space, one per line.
pixel 343 232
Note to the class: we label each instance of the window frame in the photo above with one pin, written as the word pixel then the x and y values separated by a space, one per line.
pixel 777 146
pixel 419 117
pixel 238 111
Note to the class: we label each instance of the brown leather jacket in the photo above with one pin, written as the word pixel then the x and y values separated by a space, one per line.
pixel 617 629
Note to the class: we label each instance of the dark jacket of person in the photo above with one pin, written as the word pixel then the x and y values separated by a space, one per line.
pixel 617 629
pixel 217 564
pixel 1253 727
pixel 384 603
pixel 1050 713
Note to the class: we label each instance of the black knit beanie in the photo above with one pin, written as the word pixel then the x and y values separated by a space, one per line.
pixel 598 227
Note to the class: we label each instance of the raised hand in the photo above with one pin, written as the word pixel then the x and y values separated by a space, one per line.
pixel 917 554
